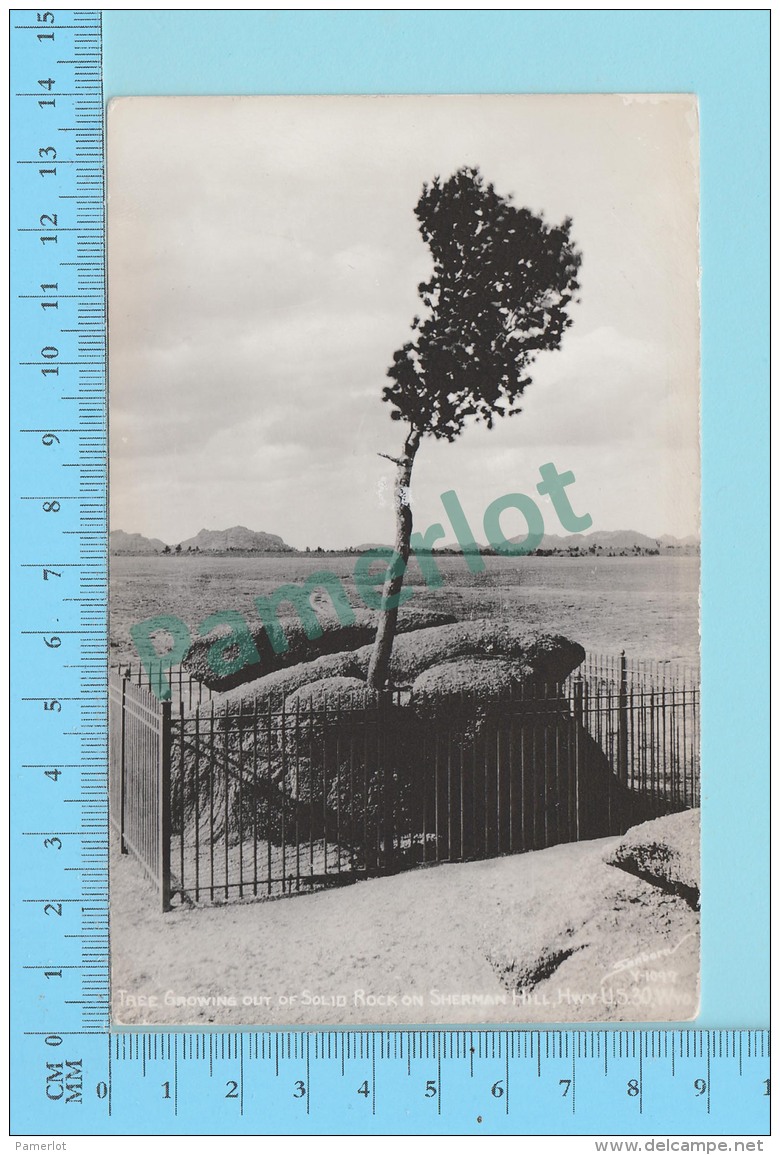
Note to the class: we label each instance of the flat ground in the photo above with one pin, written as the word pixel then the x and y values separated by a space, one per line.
pixel 648 606
pixel 551 936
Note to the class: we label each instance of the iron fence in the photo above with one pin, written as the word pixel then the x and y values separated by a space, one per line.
pixel 140 777
pixel 272 798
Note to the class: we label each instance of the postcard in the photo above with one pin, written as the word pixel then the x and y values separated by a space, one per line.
pixel 405 534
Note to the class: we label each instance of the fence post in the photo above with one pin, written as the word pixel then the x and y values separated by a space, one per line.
pixel 387 837
pixel 622 750
pixel 164 804
pixel 122 770
pixel 579 722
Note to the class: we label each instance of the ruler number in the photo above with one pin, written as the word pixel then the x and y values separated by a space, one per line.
pixel 53 642
pixel 53 774
pixel 497 1090
pixel 48 440
pixel 53 908
pixel 50 353
pixel 53 704
pixel 166 1090
pixel 54 286
pixel 632 1088
pixel 232 1092
pixel 52 974
pixel 46 573
pixel 699 1086
pixel 48 84
pixel 53 842
pixel 51 506
pixel 766 1086
pixel 566 1084
pixel 48 220
pixel 363 1089
pixel 101 1090
pixel 300 1090
pixel 45 18
pixel 430 1089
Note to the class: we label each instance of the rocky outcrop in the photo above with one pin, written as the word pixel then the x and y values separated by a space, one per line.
pixel 546 658
pixel 120 542
pixel 231 667
pixel 237 538
pixel 482 679
pixel 664 852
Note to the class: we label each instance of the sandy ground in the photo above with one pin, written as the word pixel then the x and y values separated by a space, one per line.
pixel 557 935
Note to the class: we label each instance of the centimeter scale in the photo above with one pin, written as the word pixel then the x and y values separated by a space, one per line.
pixel 71 1073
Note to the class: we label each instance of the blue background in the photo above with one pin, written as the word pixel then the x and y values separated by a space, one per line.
pixel 722 57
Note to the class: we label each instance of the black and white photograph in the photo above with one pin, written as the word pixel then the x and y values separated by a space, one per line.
pixel 404 697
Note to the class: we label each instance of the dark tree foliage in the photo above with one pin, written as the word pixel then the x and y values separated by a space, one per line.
pixel 501 284
pixel 503 280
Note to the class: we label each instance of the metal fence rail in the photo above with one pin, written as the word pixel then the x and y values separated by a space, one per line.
pixel 221 801
pixel 140 778
pixel 646 718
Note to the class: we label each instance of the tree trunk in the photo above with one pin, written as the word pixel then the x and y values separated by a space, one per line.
pixel 379 666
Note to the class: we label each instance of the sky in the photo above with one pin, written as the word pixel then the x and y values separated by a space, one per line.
pixel 263 263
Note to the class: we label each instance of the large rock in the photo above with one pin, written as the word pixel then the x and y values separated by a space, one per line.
pixel 236 669
pixel 665 852
pixel 339 769
pixel 545 658
pixel 537 659
pixel 483 680
pixel 341 693
pixel 271 691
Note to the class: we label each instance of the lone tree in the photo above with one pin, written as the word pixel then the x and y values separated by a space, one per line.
pixel 502 282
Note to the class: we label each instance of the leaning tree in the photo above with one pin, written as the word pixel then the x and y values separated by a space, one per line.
pixel 501 286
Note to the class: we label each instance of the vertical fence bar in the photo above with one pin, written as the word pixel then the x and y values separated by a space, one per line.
pixel 685 747
pixel 240 726
pixel 182 788
pixel 197 801
pixel 122 767
pixel 164 802
pixel 212 776
pixel 271 825
pixel 388 780
pixel 622 751
pixel 255 799
pixel 579 722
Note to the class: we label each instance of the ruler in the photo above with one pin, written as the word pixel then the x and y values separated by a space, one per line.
pixel 71 1073
pixel 59 876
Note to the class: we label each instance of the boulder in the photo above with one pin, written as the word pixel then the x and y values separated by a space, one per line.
pixel 483 680
pixel 270 691
pixel 237 668
pixel 665 852
pixel 337 692
pixel 544 658
pixel 536 659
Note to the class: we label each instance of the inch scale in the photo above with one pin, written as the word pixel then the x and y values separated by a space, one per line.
pixel 71 1074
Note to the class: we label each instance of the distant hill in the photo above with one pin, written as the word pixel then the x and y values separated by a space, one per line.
pixel 666 539
pixel 618 542
pixel 236 539
pixel 121 542
pixel 615 542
